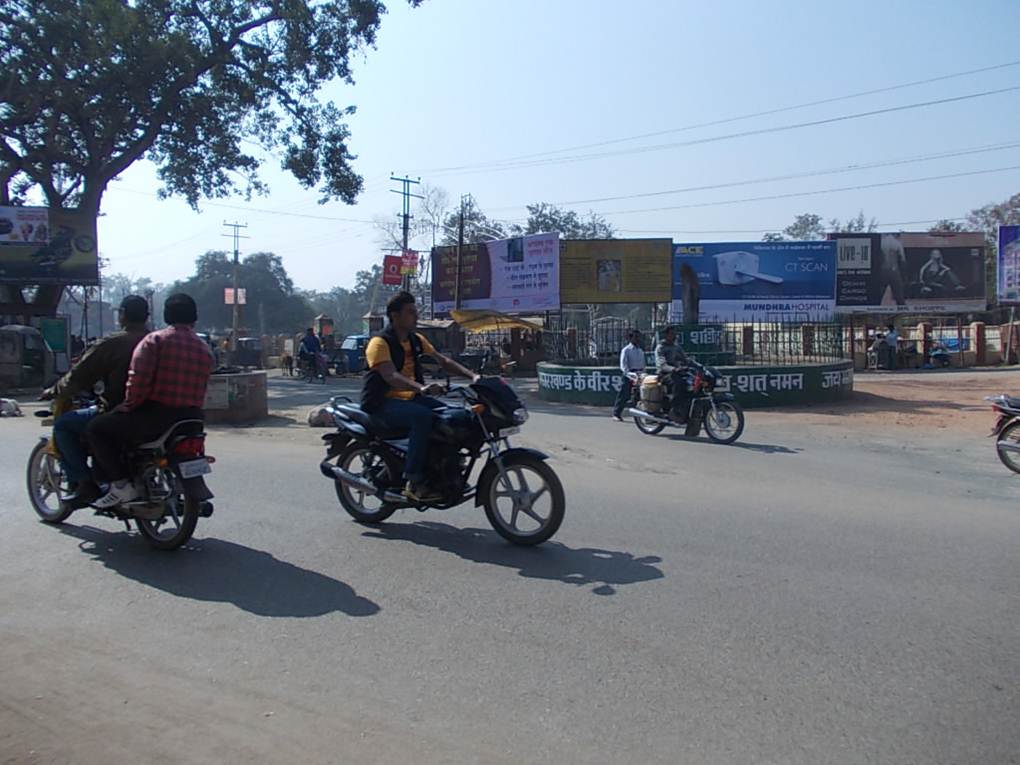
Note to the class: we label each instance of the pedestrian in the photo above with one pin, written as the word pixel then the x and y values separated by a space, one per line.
pixel 632 363
pixel 892 340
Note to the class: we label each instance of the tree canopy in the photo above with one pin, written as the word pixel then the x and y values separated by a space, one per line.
pixel 87 87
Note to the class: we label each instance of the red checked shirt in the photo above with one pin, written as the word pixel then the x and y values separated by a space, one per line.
pixel 171 367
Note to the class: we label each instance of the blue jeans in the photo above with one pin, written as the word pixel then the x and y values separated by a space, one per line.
pixel 68 432
pixel 415 415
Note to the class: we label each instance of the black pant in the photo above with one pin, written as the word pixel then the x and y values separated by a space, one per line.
pixel 112 434
pixel 623 397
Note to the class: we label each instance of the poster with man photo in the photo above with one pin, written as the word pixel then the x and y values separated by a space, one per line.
pixel 896 272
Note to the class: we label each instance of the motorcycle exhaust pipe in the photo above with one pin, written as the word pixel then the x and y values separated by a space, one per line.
pixel 1007 446
pixel 361 484
pixel 648 416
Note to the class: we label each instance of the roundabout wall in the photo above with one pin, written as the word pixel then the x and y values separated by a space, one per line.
pixel 753 386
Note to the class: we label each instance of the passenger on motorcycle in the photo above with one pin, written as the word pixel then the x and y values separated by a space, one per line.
pixel 107 361
pixel 309 350
pixel 167 382
pixel 673 365
pixel 395 391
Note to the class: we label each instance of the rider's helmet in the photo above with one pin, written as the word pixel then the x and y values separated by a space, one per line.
pixel 180 308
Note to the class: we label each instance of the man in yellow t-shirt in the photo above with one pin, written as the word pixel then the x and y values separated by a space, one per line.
pixel 395 391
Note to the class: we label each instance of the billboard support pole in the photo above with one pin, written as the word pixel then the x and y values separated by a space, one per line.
pixel 405 192
pixel 236 312
pixel 1009 336
pixel 460 245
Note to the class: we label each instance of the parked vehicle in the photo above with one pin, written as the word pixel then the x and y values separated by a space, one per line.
pixel 1007 430
pixel 721 415
pixel 522 496
pixel 170 469
pixel 353 347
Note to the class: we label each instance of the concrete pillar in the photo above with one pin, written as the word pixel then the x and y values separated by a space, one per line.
pixel 807 334
pixel 977 340
pixel 572 343
pixel 924 339
pixel 748 341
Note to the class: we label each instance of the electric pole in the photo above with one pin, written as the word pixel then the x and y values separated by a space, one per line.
pixel 405 192
pixel 236 236
pixel 460 245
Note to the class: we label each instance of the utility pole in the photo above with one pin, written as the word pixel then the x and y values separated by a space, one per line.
pixel 236 236
pixel 460 246
pixel 405 192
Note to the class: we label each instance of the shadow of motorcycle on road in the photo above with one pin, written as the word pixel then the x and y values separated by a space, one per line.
pixel 606 569
pixel 219 571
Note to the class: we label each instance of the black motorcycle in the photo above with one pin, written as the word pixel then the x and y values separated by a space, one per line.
pixel 169 470
pixel 1006 430
pixel 522 496
pixel 653 411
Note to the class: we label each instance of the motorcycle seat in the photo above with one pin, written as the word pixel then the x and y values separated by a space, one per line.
pixel 370 422
pixel 1013 402
pixel 185 427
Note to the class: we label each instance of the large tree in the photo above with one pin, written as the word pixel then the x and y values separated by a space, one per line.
pixel 88 87
pixel 546 217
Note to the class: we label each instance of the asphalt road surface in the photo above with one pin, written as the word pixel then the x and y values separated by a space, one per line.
pixel 816 594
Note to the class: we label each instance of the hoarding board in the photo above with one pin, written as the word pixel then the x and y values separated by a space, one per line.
pixel 1009 264
pixel 615 270
pixel 745 281
pixel 918 272
pixel 392 270
pixel 43 246
pixel 519 275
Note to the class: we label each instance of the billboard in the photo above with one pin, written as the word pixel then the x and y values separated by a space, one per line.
pixel 1009 264
pixel 744 281
pixel 43 246
pixel 615 270
pixel 392 270
pixel 893 273
pixel 519 275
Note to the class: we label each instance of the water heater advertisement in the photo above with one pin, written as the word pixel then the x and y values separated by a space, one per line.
pixel 1009 264
pixel 745 281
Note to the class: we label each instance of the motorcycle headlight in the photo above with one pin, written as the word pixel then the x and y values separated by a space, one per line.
pixel 520 415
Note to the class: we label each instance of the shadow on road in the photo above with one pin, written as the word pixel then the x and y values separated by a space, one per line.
pixel 554 561
pixel 763 448
pixel 225 572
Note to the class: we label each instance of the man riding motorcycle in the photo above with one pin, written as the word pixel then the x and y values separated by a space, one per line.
pixel 672 365
pixel 167 382
pixel 394 388
pixel 107 361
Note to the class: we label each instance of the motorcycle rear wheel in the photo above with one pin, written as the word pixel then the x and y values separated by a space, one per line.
pixel 364 462
pixel 180 516
pixel 1010 459
pixel 47 485
pixel 528 481
pixel 649 427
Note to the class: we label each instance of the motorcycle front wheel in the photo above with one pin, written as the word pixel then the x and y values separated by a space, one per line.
pixel 47 485
pixel 180 515
pixel 1011 434
pixel 725 422
pixel 526 504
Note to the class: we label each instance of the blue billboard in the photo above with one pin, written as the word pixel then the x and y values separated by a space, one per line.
pixel 745 281
pixel 1009 264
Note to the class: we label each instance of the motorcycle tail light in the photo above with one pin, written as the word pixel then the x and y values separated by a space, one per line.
pixel 190 447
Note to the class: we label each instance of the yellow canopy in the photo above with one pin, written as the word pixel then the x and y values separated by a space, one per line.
pixel 489 321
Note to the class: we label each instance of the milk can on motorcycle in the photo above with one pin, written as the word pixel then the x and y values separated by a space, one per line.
pixel 520 493
pixel 657 406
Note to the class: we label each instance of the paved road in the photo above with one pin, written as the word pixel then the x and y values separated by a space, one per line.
pixel 810 596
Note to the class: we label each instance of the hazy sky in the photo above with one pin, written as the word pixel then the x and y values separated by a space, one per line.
pixel 462 83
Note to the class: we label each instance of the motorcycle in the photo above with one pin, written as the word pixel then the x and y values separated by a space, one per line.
pixel 169 470
pixel 522 496
pixel 652 407
pixel 1007 430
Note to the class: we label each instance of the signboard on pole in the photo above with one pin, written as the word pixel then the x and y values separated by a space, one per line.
pixel 519 275
pixel 228 296
pixel 409 263
pixel 1009 264
pixel 615 270
pixel 917 272
pixel 745 281
pixel 43 246
pixel 392 270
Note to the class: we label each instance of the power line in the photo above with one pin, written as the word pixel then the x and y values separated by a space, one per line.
pixel 790 176
pixel 775 228
pixel 796 194
pixel 466 169
pixel 752 115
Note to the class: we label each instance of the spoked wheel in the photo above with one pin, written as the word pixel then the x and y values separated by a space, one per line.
pixel 180 514
pixel 362 506
pixel 47 485
pixel 526 505
pixel 1010 435
pixel 725 423
pixel 649 426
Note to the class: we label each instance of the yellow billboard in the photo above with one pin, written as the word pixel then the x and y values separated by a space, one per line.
pixel 615 270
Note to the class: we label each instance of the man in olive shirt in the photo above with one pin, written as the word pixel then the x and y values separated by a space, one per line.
pixel 107 361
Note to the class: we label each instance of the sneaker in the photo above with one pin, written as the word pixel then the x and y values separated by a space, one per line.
pixel 617 417
pixel 420 492
pixel 120 492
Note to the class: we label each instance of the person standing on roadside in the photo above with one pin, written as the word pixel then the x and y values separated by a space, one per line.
pixel 632 363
